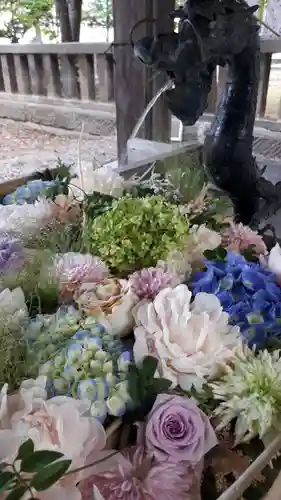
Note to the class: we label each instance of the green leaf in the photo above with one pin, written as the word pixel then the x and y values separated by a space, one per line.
pixel 5 480
pixel 39 459
pixel 134 384
pixel 149 367
pixel 159 385
pixel 26 449
pixel 50 475
pixel 17 493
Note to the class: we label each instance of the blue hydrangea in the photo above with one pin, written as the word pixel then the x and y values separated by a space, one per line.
pixel 28 193
pixel 86 370
pixel 248 292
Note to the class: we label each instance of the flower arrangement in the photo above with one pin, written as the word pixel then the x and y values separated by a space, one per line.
pixel 247 291
pixel 139 343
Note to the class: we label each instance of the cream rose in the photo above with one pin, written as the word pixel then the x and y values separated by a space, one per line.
pixel 111 301
pixel 50 424
pixel 190 340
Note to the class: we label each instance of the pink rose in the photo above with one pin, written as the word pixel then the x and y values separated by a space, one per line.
pixel 178 430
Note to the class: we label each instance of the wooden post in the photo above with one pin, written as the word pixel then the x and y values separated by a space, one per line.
pixel 87 77
pixel 22 74
pixel 52 75
pixel 132 80
pixel 264 82
pixel 9 73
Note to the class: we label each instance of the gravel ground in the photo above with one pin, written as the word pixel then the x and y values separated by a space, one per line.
pixel 25 148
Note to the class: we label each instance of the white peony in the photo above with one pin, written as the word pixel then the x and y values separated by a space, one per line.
pixel 190 340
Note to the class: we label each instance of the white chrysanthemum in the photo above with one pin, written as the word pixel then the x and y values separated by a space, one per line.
pixel 190 339
pixel 105 180
pixel 250 392
pixel 13 309
pixel 25 220
pixel 199 239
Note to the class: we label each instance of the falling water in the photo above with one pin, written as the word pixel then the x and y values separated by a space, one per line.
pixel 168 85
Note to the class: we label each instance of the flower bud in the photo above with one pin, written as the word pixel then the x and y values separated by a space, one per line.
pixel 115 406
pixel 110 380
pixel 70 373
pixel 61 385
pixel 46 368
pixel 122 390
pixel 95 366
pixel 98 410
pixel 102 388
pixel 81 335
pixel 59 361
pixel 108 367
pixel 101 355
pixel 87 389
pixel 124 361
pixel 93 343
pixel 74 353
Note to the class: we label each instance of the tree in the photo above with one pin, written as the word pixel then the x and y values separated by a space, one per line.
pixel 100 13
pixel 69 15
pixel 24 14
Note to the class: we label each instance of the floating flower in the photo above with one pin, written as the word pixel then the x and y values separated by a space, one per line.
pixel 11 254
pixel 200 238
pixel 137 476
pixel 189 339
pixel 239 238
pixel 250 391
pixel 73 269
pixel 248 292
pixel 50 424
pixel 177 430
pixel 111 301
pixel 147 283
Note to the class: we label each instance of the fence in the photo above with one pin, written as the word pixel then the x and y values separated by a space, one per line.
pixel 85 71
pixel 70 70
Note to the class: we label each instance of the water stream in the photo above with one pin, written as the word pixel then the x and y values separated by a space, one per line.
pixel 168 85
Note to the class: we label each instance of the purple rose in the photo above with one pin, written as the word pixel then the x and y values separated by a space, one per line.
pixel 178 430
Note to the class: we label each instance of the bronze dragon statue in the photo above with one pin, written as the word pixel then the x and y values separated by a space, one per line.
pixel 215 33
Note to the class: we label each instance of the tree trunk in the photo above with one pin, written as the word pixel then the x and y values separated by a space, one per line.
pixel 64 21
pixel 75 17
pixel 69 14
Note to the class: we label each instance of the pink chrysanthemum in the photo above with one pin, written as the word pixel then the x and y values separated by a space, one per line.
pixel 137 477
pixel 239 238
pixel 148 282
pixel 74 269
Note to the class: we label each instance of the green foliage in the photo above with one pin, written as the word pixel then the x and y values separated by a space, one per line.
pixel 218 254
pixel 44 468
pixel 99 13
pixel 61 176
pixel 144 388
pixel 136 233
pixel 23 15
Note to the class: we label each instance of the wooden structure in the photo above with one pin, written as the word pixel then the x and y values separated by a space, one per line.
pixel 88 75
pixel 134 83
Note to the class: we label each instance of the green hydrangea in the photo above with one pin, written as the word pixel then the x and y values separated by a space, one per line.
pixel 136 232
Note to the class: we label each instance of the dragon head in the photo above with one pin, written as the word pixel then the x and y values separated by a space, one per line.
pixel 209 33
